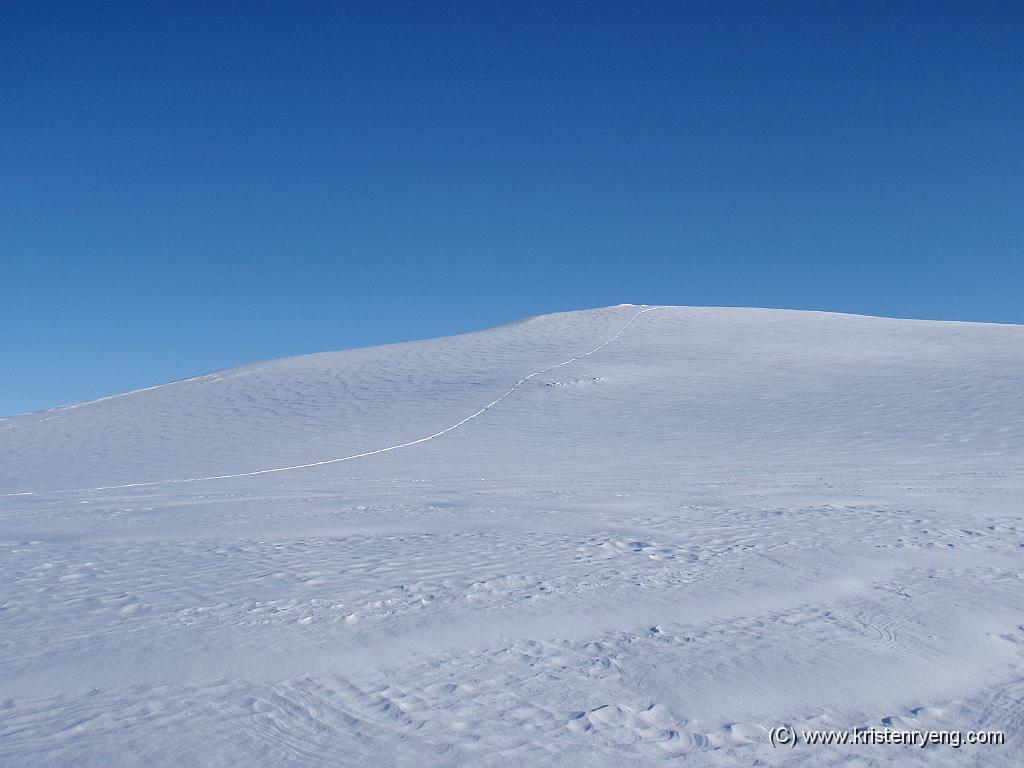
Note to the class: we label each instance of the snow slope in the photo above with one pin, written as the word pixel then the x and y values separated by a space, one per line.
pixel 625 536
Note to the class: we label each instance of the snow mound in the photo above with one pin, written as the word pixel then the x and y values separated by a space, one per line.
pixel 611 537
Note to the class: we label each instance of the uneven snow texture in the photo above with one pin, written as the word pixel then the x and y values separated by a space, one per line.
pixel 719 522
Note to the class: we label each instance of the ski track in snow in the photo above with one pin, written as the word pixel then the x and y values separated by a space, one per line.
pixel 340 459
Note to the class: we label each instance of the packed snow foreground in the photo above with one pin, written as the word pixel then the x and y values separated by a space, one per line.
pixel 616 537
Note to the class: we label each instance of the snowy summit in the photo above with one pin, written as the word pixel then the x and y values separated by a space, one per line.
pixel 627 536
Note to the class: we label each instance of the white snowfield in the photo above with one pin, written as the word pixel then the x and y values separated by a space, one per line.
pixel 621 537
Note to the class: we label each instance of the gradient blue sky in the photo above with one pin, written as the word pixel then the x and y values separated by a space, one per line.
pixel 193 186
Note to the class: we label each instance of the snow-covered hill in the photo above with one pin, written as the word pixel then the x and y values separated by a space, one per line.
pixel 617 537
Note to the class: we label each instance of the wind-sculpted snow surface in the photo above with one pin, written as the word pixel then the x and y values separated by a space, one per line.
pixel 606 538
pixel 362 454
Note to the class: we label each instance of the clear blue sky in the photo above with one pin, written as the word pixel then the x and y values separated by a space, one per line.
pixel 193 186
